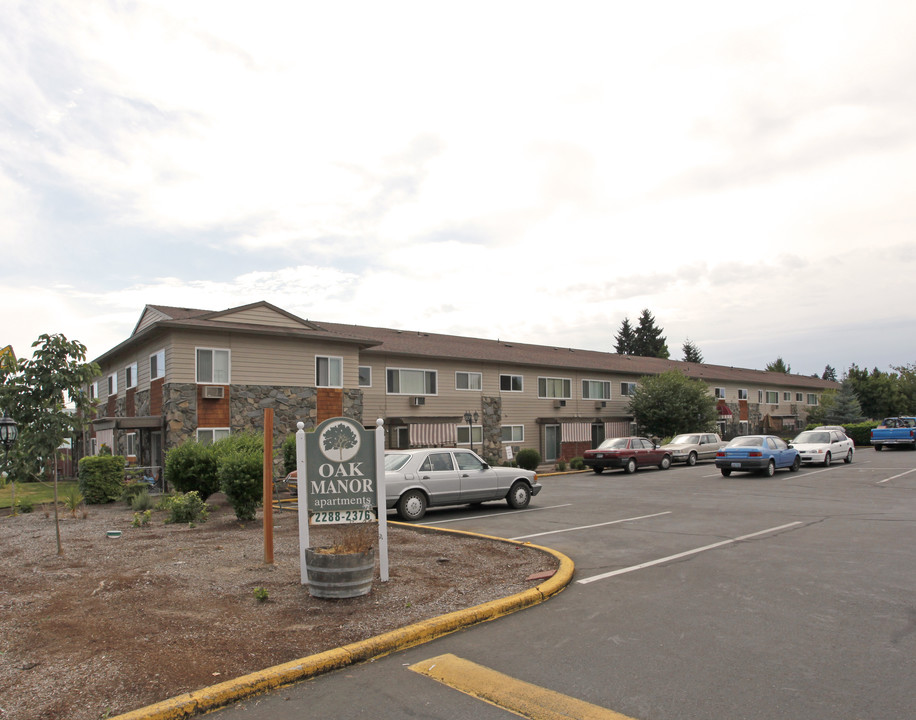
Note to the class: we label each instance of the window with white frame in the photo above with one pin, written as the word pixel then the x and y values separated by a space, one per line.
pixel 131 444
pixel 466 433
pixel 94 391
pixel 742 427
pixel 157 365
pixel 408 381
pixel 130 376
pixel 627 389
pixel 365 376
pixel 511 383
pixel 468 380
pixel 720 393
pixel 760 396
pixel 549 387
pixel 772 397
pixel 93 446
pixel 787 396
pixel 113 384
pixel 812 399
pixel 799 397
pixel 328 371
pixel 742 394
pixel 212 366
pixel 513 433
pixel 207 436
pixel 596 389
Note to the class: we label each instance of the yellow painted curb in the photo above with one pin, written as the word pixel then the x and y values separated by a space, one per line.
pixel 215 696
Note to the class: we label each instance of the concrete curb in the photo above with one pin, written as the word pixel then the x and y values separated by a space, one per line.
pixel 216 696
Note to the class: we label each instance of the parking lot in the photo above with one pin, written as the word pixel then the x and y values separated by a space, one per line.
pixel 695 596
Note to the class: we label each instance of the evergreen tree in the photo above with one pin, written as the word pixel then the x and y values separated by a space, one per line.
pixel 846 408
pixel 829 374
pixel 692 352
pixel 778 365
pixel 625 338
pixel 649 341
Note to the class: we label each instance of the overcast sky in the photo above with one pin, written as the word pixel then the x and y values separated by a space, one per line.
pixel 529 171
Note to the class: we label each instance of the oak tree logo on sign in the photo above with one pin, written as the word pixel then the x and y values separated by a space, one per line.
pixel 339 442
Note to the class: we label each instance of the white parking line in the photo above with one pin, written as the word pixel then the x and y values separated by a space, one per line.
pixel 508 512
pixel 585 581
pixel 586 527
pixel 894 477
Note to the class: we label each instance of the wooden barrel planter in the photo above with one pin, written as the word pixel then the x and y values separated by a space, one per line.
pixel 339 575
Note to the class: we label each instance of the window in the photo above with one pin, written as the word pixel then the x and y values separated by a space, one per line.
pixel 596 390
pixel 113 384
pixel 772 397
pixel 130 376
pixel 94 392
pixel 742 427
pixel 554 387
pixel 365 376
pixel 627 389
pixel 157 365
pixel 437 462
pixel 207 436
pixel 212 366
pixel 131 441
pixel 812 399
pixel 720 393
pixel 510 383
pixel 475 434
pixel 742 394
pixel 93 446
pixel 799 397
pixel 760 396
pixel 513 433
pixel 403 381
pixel 787 396
pixel 468 381
pixel 328 371
pixel 467 461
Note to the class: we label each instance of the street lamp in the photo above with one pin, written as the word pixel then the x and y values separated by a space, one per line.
pixel 470 420
pixel 9 431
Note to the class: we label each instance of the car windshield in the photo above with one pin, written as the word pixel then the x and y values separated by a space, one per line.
pixel 395 461
pixel 812 437
pixel 686 440
pixel 746 441
pixel 613 443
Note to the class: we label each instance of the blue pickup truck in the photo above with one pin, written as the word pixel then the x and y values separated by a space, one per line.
pixel 895 431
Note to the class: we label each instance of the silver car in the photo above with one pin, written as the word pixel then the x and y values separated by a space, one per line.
pixel 690 447
pixel 420 478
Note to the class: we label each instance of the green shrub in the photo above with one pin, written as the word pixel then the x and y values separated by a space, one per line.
pixel 193 467
pixel 25 505
pixel 577 463
pixel 289 453
pixel 186 508
pixel 131 490
pixel 240 474
pixel 528 458
pixel 72 500
pixel 861 432
pixel 142 501
pixel 101 478
pixel 561 466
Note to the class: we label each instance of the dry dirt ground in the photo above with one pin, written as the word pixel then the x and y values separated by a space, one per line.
pixel 112 625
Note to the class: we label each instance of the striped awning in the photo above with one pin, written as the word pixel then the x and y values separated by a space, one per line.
pixel 433 434
pixel 621 428
pixel 576 432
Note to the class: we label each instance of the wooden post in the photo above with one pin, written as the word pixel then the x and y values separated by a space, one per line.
pixel 268 485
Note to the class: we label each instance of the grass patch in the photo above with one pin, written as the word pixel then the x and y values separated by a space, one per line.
pixel 38 493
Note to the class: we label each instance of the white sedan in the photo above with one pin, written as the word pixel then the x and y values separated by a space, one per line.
pixel 824 446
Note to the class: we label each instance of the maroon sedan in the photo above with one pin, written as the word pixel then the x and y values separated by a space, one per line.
pixel 628 453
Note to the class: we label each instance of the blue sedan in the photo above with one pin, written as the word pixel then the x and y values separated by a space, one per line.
pixel 757 453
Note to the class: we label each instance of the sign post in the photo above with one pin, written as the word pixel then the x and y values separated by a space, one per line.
pixel 341 472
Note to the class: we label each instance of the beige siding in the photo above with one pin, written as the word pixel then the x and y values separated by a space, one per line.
pixel 149 317
pixel 260 316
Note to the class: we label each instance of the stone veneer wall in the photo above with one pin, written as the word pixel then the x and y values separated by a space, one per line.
pixel 492 429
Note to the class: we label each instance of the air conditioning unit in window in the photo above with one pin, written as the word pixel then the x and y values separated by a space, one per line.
pixel 417 401
pixel 559 403
pixel 600 404
pixel 214 392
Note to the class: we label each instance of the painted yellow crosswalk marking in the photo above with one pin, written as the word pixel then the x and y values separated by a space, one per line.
pixel 516 696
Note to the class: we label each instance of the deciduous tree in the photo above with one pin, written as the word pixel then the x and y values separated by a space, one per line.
pixel 670 403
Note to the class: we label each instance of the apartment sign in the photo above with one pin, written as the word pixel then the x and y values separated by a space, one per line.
pixel 341 474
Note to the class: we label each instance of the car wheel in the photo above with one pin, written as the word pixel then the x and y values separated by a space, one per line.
pixel 796 464
pixel 827 460
pixel 879 448
pixel 630 467
pixel 726 472
pixel 848 458
pixel 519 495
pixel 770 469
pixel 598 470
pixel 665 463
pixel 412 505
pixel 692 459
